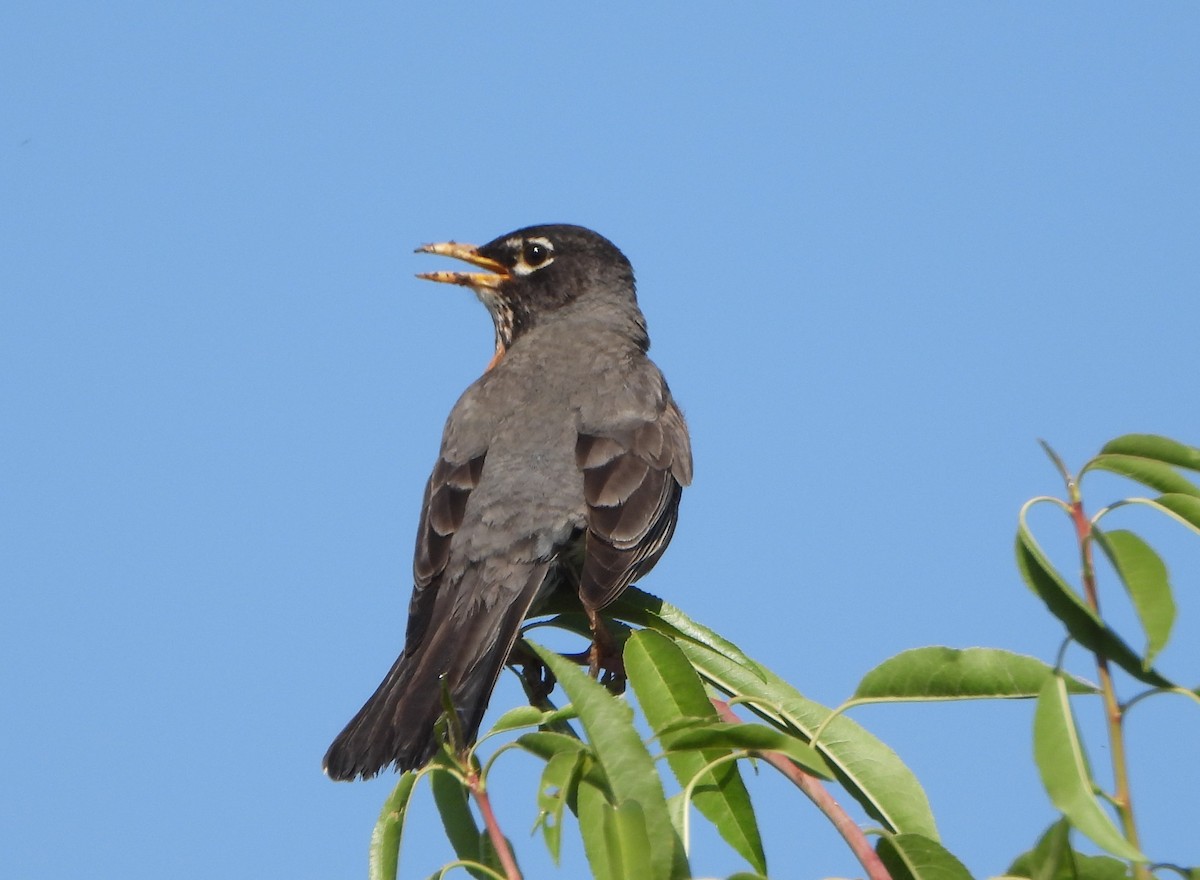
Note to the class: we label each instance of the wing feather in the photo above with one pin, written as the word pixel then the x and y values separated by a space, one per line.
pixel 442 512
pixel 633 477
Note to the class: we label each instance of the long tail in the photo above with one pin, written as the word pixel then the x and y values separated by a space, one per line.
pixel 467 642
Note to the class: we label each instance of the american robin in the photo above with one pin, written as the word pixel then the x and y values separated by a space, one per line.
pixel 562 464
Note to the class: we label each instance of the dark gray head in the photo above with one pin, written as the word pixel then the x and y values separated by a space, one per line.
pixel 536 271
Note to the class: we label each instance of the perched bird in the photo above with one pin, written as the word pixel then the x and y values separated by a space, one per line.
pixel 560 467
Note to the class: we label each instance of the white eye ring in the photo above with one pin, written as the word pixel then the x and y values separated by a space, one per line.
pixel 536 253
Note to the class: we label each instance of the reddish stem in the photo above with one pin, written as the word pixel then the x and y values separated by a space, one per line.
pixel 499 841
pixel 1083 533
pixel 816 792
pixel 1113 714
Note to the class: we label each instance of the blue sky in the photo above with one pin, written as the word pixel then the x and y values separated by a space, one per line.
pixel 882 249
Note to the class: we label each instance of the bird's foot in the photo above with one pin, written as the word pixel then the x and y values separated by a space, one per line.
pixel 607 667
pixel 604 663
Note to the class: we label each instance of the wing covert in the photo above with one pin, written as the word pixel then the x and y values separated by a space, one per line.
pixel 633 477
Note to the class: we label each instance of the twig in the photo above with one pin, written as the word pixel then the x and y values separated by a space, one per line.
pixel 816 792
pixel 1122 797
pixel 499 841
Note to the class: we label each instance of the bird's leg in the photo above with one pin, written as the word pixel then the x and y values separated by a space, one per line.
pixel 601 641
pixel 603 654
pixel 536 677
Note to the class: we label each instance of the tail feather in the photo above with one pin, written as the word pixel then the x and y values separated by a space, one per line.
pixel 466 645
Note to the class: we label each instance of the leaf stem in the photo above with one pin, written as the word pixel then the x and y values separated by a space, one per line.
pixel 690 790
pixel 816 792
pixel 1122 797
pixel 468 865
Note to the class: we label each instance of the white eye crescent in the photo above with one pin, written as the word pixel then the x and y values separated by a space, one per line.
pixel 535 254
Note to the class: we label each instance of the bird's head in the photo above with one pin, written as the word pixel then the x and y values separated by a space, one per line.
pixel 534 272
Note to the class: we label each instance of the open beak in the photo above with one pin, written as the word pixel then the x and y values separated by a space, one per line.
pixel 496 275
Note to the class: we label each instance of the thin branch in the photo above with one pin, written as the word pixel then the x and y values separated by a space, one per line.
pixel 499 841
pixel 816 792
pixel 1122 797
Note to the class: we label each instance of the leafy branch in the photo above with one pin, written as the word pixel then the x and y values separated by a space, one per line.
pixel 691 684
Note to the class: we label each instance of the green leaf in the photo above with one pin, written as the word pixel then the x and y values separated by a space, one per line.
pixel 870 771
pixel 669 691
pixel 627 764
pixel 384 853
pixel 1050 858
pixel 940 673
pixel 546 744
pixel 592 811
pixel 1065 773
pixel 522 716
pixel 557 787
pixel 1185 508
pixel 916 857
pixel 1081 621
pixel 628 839
pixel 1056 460
pixel 450 795
pixel 1155 447
pixel 678 806
pixel 753 737
pixel 644 609
pixel 1099 867
pixel 1145 578
pixel 1146 471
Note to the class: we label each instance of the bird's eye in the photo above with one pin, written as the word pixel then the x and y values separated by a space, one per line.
pixel 535 253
